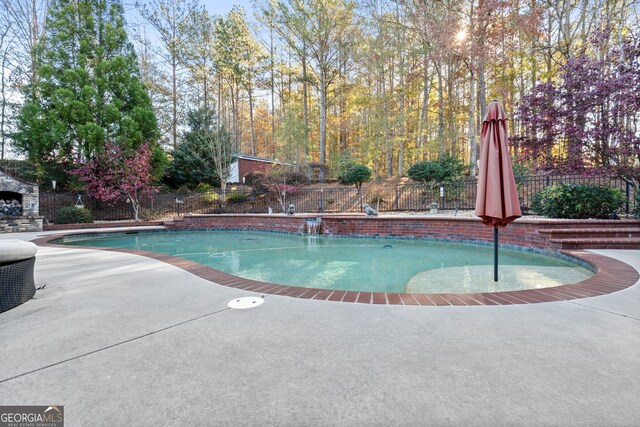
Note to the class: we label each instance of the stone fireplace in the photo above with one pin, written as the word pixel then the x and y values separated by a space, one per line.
pixel 19 205
pixel 10 204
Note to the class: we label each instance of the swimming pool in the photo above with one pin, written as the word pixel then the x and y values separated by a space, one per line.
pixel 351 264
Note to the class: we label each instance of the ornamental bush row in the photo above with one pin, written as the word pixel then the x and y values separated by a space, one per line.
pixel 73 215
pixel 577 201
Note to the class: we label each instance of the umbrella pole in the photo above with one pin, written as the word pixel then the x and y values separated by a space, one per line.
pixel 495 253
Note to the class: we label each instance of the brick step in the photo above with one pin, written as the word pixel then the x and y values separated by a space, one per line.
pixel 597 243
pixel 596 233
pixel 583 224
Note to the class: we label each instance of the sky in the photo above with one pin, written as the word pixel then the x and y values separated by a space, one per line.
pixel 215 7
pixel 222 7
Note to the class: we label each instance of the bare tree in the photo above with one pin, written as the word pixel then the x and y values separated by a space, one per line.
pixel 28 24
pixel 323 27
pixel 170 18
pixel 22 26
pixel 6 41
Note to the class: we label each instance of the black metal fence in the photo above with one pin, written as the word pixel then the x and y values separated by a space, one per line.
pixel 455 195
pixel 462 194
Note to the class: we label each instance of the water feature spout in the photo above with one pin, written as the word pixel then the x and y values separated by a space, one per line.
pixel 313 226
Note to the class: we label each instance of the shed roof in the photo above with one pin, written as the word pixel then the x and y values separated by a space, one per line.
pixel 260 159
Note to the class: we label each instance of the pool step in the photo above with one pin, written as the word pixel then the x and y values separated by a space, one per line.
pixel 624 236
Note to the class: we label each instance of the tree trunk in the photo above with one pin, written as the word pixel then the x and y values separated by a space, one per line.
pixel 223 189
pixel 323 116
pixel 205 90
pixel 424 111
pixel 549 49
pixel 273 94
pixel 34 41
pixel 482 89
pixel 238 119
pixel 473 153
pixel 220 93
pixel 233 98
pixel 440 112
pixel 385 121
pixel 473 150
pixel 533 63
pixel 305 102
pixel 402 88
pixel 253 136
pixel 482 85
pixel 451 124
pixel 174 101
pixel 3 113
pixel 136 210
pixel 3 92
pixel 283 93
pixel 342 112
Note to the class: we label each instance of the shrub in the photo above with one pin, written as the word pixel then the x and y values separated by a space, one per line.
pixel 341 162
pixel 521 169
pixel 296 178
pixel 376 198
pixel 252 178
pixel 73 215
pixel 210 198
pixel 636 211
pixel 203 187
pixel 356 175
pixel 183 189
pixel 237 198
pixel 319 171
pixel 577 201
pixel 258 181
pixel 425 172
pixel 447 168
pixel 149 214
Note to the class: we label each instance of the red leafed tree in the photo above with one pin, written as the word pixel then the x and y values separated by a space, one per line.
pixel 284 181
pixel 115 174
pixel 282 190
pixel 587 121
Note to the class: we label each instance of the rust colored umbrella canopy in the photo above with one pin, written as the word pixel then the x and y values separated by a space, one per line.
pixel 497 200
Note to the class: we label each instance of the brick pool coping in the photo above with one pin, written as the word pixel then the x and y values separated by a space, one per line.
pixel 611 276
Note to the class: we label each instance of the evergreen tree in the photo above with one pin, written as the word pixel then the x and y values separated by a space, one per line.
pixel 88 89
pixel 205 154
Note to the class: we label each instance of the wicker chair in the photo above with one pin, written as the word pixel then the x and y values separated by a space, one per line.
pixel 16 276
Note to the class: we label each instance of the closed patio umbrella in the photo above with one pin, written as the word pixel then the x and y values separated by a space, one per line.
pixel 497 200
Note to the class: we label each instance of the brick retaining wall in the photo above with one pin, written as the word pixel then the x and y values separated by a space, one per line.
pixel 467 229
pixel 53 227
pixel 523 232
pixel 285 224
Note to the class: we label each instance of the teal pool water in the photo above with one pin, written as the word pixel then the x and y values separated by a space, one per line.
pixel 356 264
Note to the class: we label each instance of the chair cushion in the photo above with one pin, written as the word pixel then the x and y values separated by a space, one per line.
pixel 16 250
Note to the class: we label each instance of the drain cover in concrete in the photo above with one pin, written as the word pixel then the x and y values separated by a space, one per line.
pixel 246 302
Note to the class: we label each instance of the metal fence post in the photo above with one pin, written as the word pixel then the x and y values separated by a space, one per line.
pixel 628 193
pixel 397 198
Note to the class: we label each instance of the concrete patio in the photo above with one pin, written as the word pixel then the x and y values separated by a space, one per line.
pixel 120 339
